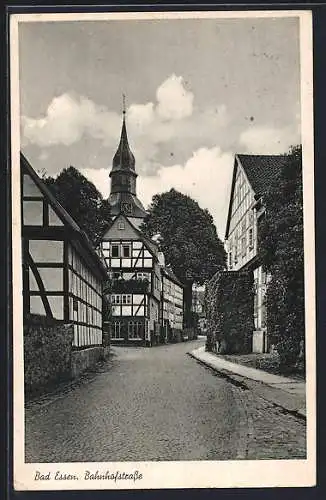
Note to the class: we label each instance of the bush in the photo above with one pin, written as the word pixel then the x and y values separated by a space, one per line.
pixel 288 350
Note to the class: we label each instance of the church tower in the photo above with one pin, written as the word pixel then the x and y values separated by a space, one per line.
pixel 123 198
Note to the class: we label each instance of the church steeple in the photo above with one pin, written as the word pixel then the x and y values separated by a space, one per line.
pixel 123 178
pixel 123 159
pixel 123 174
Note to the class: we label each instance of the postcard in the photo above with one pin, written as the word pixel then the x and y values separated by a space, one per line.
pixel 163 250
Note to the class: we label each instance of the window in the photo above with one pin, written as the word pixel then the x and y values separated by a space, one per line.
pixel 251 238
pixel 134 330
pixel 126 251
pixel 125 299
pixel 121 225
pixel 114 250
pixel 116 330
pixel 230 260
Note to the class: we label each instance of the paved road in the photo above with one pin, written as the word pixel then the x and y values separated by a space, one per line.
pixel 157 404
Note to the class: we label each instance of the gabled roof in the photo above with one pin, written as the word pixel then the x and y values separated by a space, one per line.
pixel 62 213
pixel 150 245
pixel 260 170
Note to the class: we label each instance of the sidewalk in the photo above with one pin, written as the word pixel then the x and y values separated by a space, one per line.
pixel 284 392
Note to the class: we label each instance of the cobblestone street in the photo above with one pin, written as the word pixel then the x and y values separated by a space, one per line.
pixel 158 404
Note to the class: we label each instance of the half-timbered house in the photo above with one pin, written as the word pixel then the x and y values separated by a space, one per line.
pixel 252 174
pixel 62 273
pixel 172 305
pixel 136 283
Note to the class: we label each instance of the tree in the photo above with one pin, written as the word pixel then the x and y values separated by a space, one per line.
pixel 282 250
pixel 188 239
pixel 82 201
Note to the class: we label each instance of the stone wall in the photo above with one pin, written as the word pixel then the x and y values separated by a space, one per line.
pixel 49 357
pixel 47 352
pixel 85 359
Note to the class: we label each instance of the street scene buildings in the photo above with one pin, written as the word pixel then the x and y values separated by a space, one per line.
pixel 162 274
pixel 146 297
pixel 252 175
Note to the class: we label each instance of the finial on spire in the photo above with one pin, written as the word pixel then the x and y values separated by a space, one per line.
pixel 123 104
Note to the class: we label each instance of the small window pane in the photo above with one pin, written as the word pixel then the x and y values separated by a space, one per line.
pixel 125 250
pixel 115 251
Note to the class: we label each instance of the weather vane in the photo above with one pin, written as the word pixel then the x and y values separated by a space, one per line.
pixel 124 104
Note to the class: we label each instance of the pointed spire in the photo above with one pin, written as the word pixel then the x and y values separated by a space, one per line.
pixel 123 159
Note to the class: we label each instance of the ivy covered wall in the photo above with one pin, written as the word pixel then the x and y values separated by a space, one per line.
pixel 229 302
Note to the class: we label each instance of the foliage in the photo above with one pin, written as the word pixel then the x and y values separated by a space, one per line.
pixel 187 237
pixel 229 305
pixel 82 200
pixel 130 286
pixel 281 248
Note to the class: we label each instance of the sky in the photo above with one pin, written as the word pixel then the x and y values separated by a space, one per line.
pixel 197 92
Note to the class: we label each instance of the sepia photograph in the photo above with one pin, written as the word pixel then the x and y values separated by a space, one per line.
pixel 163 250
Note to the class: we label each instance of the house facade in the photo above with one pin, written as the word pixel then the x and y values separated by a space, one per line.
pixel 136 283
pixel 62 273
pixel 172 306
pixel 252 174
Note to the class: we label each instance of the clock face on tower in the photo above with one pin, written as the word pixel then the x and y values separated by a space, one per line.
pixel 126 208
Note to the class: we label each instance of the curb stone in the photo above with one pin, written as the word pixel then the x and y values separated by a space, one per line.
pixel 249 384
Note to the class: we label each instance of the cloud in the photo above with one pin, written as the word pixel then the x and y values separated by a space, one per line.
pixel 44 155
pixel 268 140
pixel 161 132
pixel 174 101
pixel 205 176
pixel 140 116
pixel 67 119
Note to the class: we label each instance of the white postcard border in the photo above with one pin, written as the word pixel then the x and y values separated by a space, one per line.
pixel 185 474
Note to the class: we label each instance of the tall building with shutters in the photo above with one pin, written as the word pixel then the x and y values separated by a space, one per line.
pixel 252 174
pixel 133 259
